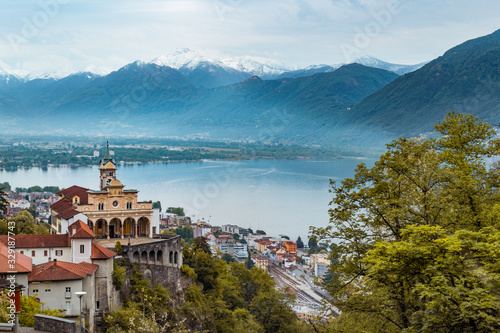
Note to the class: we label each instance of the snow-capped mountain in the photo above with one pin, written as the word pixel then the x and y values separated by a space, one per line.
pixel 201 70
pixel 209 72
pixel 187 60
pixel 396 68
pixel 262 67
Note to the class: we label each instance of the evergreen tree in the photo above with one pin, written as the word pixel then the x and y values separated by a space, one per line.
pixel 300 244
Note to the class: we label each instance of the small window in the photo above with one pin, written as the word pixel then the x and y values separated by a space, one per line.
pixel 47 287
pixel 68 289
pixel 82 248
pixel 45 253
pixel 59 253
pixel 22 252
pixel 35 290
pixel 33 253
pixel 97 305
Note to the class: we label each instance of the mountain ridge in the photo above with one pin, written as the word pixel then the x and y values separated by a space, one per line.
pixel 465 78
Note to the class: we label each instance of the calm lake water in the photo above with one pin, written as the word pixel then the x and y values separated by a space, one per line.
pixel 278 196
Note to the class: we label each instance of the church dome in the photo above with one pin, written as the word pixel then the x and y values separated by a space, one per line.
pixel 115 182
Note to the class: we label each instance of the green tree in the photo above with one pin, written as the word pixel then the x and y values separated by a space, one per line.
pixel 130 319
pixel 249 263
pixel 312 242
pixel 3 202
pixel 157 205
pixel 176 210
pixel 24 224
pixel 118 275
pixel 200 243
pixel 51 189
pixel 300 243
pixel 35 188
pixel 228 258
pixel 30 307
pixel 118 248
pixel 261 232
pixel 186 232
pixel 421 192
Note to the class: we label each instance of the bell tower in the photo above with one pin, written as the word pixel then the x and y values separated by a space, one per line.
pixel 107 169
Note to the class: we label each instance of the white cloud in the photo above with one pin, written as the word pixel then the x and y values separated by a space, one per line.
pixel 109 34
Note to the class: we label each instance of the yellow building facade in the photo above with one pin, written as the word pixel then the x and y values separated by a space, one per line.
pixel 112 211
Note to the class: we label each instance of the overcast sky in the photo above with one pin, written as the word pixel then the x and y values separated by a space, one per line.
pixel 69 35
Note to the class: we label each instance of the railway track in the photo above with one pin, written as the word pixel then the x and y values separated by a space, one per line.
pixel 284 281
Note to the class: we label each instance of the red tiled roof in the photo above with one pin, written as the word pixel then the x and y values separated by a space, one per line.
pixel 61 270
pixel 35 241
pixel 62 205
pixel 22 262
pixel 69 213
pixel 100 252
pixel 76 190
pixel 80 230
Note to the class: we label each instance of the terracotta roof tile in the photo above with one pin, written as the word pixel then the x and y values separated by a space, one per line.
pixel 75 190
pixel 22 262
pixel 62 205
pixel 68 213
pixel 36 241
pixel 61 270
pixel 100 252
pixel 80 230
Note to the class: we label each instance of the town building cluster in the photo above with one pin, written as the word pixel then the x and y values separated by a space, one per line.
pixel 77 255
pixel 39 201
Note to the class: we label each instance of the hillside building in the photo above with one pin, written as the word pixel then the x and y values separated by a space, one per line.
pixel 111 212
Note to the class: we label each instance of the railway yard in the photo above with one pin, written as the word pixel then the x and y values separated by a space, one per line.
pixel 305 292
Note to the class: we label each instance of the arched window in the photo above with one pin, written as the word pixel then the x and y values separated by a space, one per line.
pixel 171 257
pixel 175 258
pixel 152 257
pixel 159 257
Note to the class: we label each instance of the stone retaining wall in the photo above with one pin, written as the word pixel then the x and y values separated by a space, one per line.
pixel 54 324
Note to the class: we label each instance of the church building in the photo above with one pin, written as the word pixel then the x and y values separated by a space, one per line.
pixel 111 212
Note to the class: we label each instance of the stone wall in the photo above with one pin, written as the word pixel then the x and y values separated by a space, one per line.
pixel 159 260
pixel 166 251
pixel 54 324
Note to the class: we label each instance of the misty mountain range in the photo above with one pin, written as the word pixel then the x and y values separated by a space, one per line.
pixel 361 104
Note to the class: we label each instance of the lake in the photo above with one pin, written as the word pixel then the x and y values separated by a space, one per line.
pixel 277 196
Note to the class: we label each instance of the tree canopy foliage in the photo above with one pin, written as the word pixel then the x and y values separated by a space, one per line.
pixel 418 235
pixel 24 224
pixel 223 297
pixel 176 210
